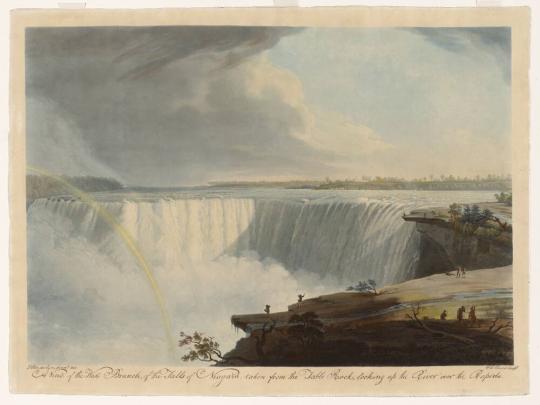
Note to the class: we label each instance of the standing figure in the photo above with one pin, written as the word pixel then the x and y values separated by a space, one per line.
pixel 267 309
pixel 300 297
pixel 460 312
pixel 472 315
pixel 444 314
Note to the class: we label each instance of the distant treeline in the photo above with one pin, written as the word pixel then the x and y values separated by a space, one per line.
pixel 268 184
pixel 44 186
pixel 491 182
pixel 419 185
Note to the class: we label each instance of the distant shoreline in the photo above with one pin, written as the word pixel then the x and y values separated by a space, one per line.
pixel 41 186
pixel 436 185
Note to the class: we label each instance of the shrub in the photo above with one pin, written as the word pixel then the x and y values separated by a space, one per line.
pixel 505 198
pixel 364 286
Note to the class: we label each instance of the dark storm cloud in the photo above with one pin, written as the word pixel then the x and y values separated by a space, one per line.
pixel 148 49
pixel 167 45
pixel 496 41
pixel 163 105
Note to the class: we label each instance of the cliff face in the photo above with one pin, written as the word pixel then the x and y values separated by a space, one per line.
pixel 401 325
pixel 442 249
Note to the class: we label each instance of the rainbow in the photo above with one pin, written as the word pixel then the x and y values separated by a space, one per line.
pixel 128 240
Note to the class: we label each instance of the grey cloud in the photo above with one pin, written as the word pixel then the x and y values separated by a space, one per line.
pixel 134 95
pixel 143 50
pixel 496 41
pixel 170 44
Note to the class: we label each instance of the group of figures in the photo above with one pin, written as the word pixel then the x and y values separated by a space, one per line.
pixel 460 272
pixel 267 307
pixel 460 316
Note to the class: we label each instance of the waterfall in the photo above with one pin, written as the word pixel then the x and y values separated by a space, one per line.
pixel 346 240
pixel 212 256
pixel 349 240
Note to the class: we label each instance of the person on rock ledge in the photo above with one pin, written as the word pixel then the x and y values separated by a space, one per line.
pixel 472 315
pixel 460 312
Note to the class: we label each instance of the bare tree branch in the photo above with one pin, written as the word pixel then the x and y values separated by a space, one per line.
pixel 494 328
pixel 492 325
pixel 501 327
pixel 414 317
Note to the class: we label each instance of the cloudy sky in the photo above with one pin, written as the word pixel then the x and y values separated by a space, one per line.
pixel 167 106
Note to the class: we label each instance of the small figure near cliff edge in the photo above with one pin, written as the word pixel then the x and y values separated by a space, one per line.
pixel 460 271
pixel 300 297
pixel 443 316
pixel 460 312
pixel 267 309
pixel 472 315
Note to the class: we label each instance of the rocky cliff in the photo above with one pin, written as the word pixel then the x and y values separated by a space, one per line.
pixel 399 325
pixel 443 247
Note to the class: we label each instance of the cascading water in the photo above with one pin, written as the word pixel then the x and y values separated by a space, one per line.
pixel 347 241
pixel 212 257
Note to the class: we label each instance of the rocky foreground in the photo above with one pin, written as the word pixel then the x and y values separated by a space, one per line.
pixel 399 325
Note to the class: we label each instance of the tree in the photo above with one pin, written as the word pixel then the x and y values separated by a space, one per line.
pixel 487 214
pixel 467 214
pixel 455 213
pixel 472 218
pixel 469 219
pixel 476 216
pixel 496 327
pixel 414 317
pixel 497 324
pixel 504 198
pixel 364 286
pixel 204 348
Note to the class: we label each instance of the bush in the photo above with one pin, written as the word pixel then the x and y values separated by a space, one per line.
pixel 364 286
pixel 505 198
